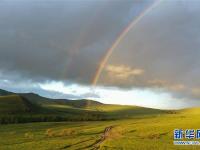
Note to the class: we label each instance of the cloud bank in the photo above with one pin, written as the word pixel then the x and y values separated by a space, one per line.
pixel 42 41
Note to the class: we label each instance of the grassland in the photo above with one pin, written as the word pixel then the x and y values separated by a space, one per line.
pixel 148 133
pixel 130 127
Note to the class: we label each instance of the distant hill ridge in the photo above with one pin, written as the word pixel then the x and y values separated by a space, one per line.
pixel 32 99
pixel 40 100
pixel 5 93
pixel 35 98
pixel 30 107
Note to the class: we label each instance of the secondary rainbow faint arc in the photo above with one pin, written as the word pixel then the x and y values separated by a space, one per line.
pixel 119 39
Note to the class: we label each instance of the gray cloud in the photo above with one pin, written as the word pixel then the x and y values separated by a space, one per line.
pixel 60 40
pixel 165 44
pixel 17 84
pixel 65 40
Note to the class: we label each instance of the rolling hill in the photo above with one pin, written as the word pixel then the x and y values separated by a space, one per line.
pixel 36 108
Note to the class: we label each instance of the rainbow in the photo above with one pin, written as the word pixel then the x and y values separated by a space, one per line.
pixel 119 39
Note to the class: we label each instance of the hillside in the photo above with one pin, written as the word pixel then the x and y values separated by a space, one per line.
pixel 84 103
pixel 28 107
pixel 189 111
pixel 13 104
pixel 5 93
pixel 37 99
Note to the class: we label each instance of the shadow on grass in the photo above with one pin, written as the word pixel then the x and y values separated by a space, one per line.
pixel 80 142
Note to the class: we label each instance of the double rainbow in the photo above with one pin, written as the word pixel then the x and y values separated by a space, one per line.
pixel 119 39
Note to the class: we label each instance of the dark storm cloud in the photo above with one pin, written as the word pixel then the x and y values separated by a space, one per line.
pixel 65 40
pixel 60 40
pixel 166 45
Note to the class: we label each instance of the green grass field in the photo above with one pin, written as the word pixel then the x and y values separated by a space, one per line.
pixel 147 133
pixel 130 127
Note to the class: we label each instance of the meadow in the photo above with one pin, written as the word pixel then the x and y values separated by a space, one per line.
pixel 146 133
pixel 89 125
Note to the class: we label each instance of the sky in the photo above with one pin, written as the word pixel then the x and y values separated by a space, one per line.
pixel 55 47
